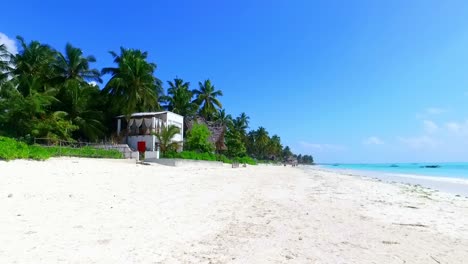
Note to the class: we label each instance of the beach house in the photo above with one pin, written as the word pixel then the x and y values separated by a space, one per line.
pixel 141 127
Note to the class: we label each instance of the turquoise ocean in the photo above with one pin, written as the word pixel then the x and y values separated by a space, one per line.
pixel 446 169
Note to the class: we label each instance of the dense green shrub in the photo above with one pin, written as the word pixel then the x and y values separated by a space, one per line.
pixel 11 149
pixel 246 160
pixel 224 159
pixel 198 139
pixel 207 156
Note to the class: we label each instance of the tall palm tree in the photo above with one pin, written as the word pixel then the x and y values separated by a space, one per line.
pixel 222 118
pixel 33 62
pixel 179 98
pixel 133 87
pixel 74 66
pixel 206 97
pixel 5 66
pixel 241 123
pixel 165 138
pixel 76 95
pixel 274 147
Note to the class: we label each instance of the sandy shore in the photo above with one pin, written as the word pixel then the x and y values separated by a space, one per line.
pixel 101 211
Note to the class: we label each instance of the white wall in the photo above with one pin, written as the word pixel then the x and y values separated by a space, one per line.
pixel 133 141
pixel 177 120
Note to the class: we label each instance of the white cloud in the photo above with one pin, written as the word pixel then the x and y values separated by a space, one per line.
pixel 453 126
pixel 93 83
pixel 322 147
pixel 373 141
pixel 435 110
pixel 419 142
pixel 9 43
pixel 430 127
pixel 431 111
pixel 457 127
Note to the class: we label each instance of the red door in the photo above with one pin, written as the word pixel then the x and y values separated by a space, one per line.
pixel 141 146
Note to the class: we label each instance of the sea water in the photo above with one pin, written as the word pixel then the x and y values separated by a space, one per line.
pixel 446 169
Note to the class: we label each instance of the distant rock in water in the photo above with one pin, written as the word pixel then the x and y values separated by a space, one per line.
pixel 430 166
pixel 394 166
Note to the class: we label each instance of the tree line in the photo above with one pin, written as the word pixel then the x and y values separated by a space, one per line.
pixel 45 93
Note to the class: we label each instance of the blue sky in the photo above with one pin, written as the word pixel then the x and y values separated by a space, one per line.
pixel 345 81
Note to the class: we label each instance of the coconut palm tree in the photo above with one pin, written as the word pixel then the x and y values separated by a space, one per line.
pixel 206 98
pixel 33 64
pixel 222 118
pixel 74 66
pixel 133 87
pixel 5 66
pixel 165 137
pixel 241 123
pixel 179 98
pixel 76 95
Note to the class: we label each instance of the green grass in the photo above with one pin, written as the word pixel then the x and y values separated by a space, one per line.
pixel 11 149
pixel 192 155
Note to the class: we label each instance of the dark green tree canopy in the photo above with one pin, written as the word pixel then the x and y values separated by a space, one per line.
pixel 133 86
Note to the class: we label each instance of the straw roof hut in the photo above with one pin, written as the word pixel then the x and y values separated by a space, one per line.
pixel 217 131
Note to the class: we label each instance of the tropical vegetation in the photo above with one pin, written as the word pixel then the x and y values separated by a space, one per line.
pixel 59 95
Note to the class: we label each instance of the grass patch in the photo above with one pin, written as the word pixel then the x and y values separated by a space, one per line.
pixel 11 149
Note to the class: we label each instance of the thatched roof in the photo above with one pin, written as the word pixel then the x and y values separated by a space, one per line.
pixel 217 131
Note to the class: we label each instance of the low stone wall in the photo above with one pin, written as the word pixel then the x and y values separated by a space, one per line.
pixel 122 148
pixel 185 162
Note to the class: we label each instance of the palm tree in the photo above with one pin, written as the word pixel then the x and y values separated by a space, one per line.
pixel 73 66
pixel 179 98
pixel 222 118
pixel 206 98
pixel 241 123
pixel 262 139
pixel 76 95
pixel 133 87
pixel 165 137
pixel 274 146
pixel 33 62
pixel 5 66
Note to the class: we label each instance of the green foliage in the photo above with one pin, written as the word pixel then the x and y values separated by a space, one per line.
pixel 132 87
pixel 206 98
pixel 246 160
pixel 224 159
pixel 179 98
pixel 198 139
pixel 47 93
pixel 192 155
pixel 165 138
pixel 306 159
pixel 235 144
pixel 11 149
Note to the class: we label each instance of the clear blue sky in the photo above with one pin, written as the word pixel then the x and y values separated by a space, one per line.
pixel 346 81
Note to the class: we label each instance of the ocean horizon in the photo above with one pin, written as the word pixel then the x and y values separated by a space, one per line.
pixel 432 169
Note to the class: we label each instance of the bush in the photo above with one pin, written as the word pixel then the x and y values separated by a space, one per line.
pixel 11 149
pixel 198 139
pixel 207 156
pixel 224 159
pixel 246 160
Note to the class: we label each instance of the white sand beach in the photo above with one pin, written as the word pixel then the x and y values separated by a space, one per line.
pixel 73 210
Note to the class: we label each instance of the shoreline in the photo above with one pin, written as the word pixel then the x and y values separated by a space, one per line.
pixel 452 185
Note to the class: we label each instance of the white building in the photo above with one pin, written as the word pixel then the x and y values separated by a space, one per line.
pixel 141 126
